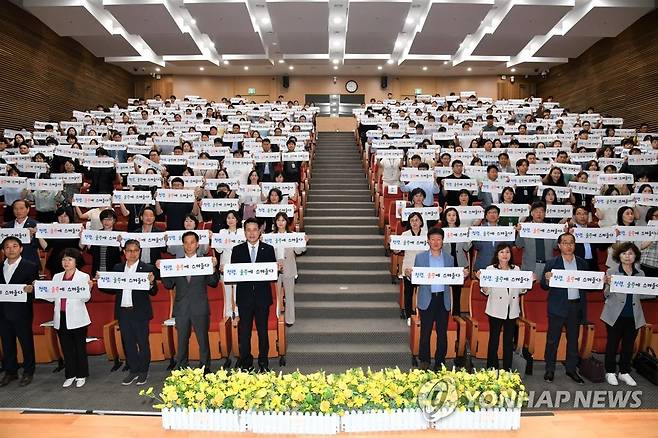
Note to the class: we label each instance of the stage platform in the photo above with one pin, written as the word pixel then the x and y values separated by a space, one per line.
pixel 581 424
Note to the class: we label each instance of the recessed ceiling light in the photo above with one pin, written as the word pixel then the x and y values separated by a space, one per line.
pixel 390 61
pixel 226 62
pixel 424 68
pixel 335 61
pixel 513 70
pixel 335 67
pixel 292 67
pixel 409 20
pixel 157 69
pixel 201 68
pixel 281 61
pixel 445 62
pixel 265 21
pixel 337 20
pixel 193 21
pixel 336 44
pixel 469 69
pixel 379 67
pixel 246 67
pixel 275 43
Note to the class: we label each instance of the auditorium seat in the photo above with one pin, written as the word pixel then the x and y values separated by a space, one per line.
pixel 276 331
pixel 649 334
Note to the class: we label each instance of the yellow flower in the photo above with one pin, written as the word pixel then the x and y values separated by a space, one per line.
pixel 324 406
pixel 238 403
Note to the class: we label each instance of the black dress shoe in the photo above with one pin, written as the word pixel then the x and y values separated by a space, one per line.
pixel 549 376
pixel 25 380
pixel 263 369
pixel 575 377
pixel 424 366
pixel 7 378
pixel 288 325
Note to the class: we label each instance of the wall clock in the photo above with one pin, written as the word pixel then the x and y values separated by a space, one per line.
pixel 351 86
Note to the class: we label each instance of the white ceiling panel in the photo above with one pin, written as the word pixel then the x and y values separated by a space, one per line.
pixel 301 27
pixel 606 22
pixel 172 44
pixel 101 46
pixel 566 46
pixel 143 19
pixel 239 43
pixel 69 20
pixel 221 18
pixel 374 26
pixel 446 26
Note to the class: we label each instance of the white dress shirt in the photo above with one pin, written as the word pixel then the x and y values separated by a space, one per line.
pixel 9 269
pixel 19 225
pixel 127 296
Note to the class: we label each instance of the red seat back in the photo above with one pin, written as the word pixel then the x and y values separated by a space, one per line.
pixel 535 303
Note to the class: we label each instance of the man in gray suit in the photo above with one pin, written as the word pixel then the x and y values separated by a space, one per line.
pixel 191 308
pixel 535 251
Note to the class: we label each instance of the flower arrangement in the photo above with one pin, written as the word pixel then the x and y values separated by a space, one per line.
pixel 386 390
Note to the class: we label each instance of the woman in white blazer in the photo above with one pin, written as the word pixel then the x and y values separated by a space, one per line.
pixel 232 235
pixel 71 319
pixel 503 307
pixel 415 228
pixel 286 257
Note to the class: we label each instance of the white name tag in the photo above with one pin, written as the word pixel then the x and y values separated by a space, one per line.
pixel 175 238
pixel 271 210
pixel 532 230
pixel 513 210
pixel 91 201
pixel 409 243
pixel 285 240
pixel 437 275
pixel 624 284
pixel 637 234
pixel 132 197
pixel 219 204
pixel 577 279
pixel 455 235
pixel 239 272
pixel 492 234
pixel 59 231
pixel 506 278
pixel 13 293
pixel 175 195
pixel 124 280
pixel 186 267
pixel 49 290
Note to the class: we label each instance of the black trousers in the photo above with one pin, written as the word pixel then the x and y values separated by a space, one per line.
pixel 135 338
pixel 623 330
pixel 11 330
pixel 249 313
pixel 408 297
pixel 649 271
pixel 591 265
pixel 184 326
pixel 435 312
pixel 74 349
pixel 495 326
pixel 555 324
pixel 456 299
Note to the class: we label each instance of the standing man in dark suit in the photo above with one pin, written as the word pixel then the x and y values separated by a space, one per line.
pixel 133 310
pixel 253 298
pixel 191 307
pixel 586 251
pixel 566 307
pixel 21 209
pixel 16 318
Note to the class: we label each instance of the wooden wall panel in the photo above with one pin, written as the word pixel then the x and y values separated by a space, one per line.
pixel 44 76
pixel 617 76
